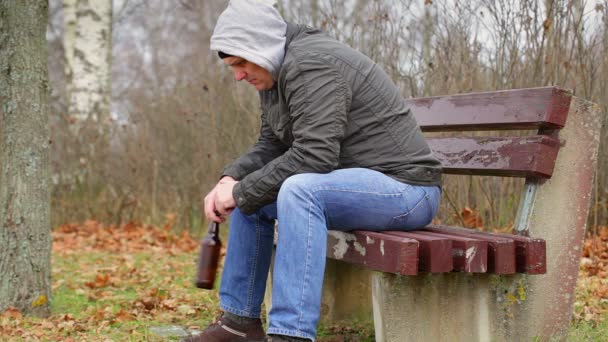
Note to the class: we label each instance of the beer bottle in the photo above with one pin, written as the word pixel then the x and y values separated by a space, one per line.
pixel 209 257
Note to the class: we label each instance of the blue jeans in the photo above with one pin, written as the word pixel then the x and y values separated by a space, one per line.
pixel 307 205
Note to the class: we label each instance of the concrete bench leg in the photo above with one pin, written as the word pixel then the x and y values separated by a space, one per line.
pixel 346 293
pixel 462 307
pixel 441 307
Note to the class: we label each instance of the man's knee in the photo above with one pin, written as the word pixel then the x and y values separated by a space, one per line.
pixel 297 186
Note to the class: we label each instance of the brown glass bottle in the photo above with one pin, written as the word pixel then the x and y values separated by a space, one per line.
pixel 209 257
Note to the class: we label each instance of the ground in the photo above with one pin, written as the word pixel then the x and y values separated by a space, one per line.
pixel 135 283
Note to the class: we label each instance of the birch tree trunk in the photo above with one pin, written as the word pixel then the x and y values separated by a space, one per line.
pixel 88 54
pixel 25 237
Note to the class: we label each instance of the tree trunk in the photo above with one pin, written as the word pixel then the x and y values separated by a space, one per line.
pixel 88 55
pixel 25 234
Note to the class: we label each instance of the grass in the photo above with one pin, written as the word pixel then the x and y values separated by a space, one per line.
pixel 142 290
pixel 119 284
pixel 588 331
pixel 109 286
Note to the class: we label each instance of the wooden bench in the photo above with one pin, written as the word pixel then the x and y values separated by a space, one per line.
pixel 455 284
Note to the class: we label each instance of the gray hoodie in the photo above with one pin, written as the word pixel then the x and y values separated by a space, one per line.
pixel 253 30
pixel 331 107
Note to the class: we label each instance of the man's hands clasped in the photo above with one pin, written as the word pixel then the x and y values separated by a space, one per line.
pixel 219 202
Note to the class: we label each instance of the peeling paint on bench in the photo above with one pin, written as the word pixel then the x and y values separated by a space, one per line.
pixel 359 248
pixel 341 246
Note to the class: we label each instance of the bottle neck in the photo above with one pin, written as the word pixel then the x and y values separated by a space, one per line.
pixel 214 228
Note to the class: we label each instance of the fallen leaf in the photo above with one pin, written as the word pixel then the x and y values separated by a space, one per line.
pixel 13 313
pixel 101 280
pixel 41 300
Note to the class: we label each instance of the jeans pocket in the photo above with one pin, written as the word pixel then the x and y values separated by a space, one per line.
pixel 421 206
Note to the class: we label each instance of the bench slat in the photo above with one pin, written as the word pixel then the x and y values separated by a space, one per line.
pixel 501 251
pixel 434 253
pixel 470 255
pixel 380 252
pixel 545 107
pixel 439 249
pixel 530 253
pixel 497 156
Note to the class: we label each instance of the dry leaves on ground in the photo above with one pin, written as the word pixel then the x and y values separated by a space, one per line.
pixel 592 293
pixel 130 237
pixel 111 283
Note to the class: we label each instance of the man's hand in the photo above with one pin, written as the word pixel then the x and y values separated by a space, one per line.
pixel 217 209
pixel 224 202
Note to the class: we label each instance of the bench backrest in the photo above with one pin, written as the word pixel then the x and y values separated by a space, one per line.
pixel 543 108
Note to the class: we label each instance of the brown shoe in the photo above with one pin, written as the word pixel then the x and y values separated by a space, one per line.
pixel 225 330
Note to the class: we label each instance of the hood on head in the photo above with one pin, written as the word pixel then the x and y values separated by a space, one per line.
pixel 253 30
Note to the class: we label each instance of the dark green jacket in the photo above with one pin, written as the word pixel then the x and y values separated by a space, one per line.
pixel 331 107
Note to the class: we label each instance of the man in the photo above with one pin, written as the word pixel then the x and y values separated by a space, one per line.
pixel 338 149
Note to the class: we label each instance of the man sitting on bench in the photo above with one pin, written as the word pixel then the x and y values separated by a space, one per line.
pixel 338 149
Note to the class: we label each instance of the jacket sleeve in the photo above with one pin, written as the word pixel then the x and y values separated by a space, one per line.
pixel 318 100
pixel 267 148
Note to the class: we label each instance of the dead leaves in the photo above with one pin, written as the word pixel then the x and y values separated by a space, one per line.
pixel 101 280
pixel 150 300
pixel 470 218
pixel 592 292
pixel 595 254
pixel 14 324
pixel 130 237
pixel 12 313
pixel 115 278
pixel 129 276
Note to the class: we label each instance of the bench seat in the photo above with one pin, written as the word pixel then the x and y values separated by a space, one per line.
pixel 439 249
